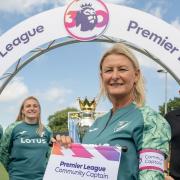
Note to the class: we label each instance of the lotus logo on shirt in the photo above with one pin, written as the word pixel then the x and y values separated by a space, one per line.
pixel 33 141
pixel 85 20
pixel 27 140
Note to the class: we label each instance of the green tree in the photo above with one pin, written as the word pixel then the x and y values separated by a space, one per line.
pixel 171 105
pixel 58 122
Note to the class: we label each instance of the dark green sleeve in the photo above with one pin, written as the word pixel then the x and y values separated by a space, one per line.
pixel 50 136
pixel 5 145
pixel 1 133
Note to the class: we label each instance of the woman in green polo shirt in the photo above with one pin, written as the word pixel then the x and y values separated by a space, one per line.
pixel 129 123
pixel 25 144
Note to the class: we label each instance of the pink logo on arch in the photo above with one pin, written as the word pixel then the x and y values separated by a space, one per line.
pixel 86 20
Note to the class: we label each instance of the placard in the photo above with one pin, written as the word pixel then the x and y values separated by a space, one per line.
pixel 83 162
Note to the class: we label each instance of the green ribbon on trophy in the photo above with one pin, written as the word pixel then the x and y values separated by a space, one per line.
pixel 79 122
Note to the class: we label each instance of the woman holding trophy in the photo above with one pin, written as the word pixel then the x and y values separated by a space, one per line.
pixel 129 123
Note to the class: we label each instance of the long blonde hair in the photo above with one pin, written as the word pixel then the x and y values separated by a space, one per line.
pixel 139 90
pixel 21 116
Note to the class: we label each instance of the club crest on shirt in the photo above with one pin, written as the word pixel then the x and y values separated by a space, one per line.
pixel 42 134
pixel 121 125
pixel 22 132
pixel 92 130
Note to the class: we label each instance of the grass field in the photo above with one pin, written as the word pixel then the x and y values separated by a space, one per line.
pixel 3 173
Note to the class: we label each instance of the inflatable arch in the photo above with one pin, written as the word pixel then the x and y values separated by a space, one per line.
pixel 111 23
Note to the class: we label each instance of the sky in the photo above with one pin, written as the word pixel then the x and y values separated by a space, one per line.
pixel 59 77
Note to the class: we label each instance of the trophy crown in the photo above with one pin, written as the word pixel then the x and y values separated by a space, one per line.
pixel 86 105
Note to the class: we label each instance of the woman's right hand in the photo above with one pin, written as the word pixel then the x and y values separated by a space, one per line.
pixel 65 141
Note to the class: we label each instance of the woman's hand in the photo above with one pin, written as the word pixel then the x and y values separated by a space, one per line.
pixel 65 141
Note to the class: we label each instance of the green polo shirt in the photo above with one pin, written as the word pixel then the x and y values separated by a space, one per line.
pixel 24 152
pixel 137 129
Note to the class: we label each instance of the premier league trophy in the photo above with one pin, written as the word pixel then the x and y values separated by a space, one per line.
pixel 79 122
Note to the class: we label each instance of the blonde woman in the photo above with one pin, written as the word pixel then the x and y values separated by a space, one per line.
pixel 25 143
pixel 130 123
